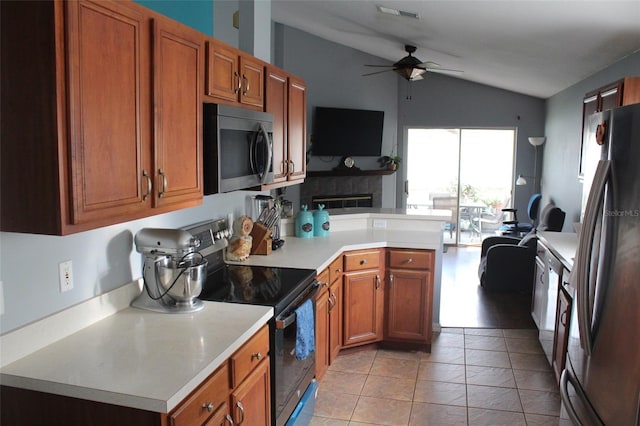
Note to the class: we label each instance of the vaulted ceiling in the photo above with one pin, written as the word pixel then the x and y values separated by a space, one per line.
pixel 537 48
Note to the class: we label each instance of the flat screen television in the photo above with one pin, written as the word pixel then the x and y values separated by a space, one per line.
pixel 342 132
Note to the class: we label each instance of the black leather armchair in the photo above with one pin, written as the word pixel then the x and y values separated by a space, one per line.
pixel 508 263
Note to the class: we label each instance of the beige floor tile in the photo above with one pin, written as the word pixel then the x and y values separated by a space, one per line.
pixel 355 362
pixel 398 354
pixel 493 398
pixel 535 362
pixel 521 333
pixel 538 420
pixel 527 346
pixel 448 340
pixel 335 405
pixel 480 417
pixel 389 388
pixel 449 355
pixel 441 372
pixel 487 343
pixel 496 332
pixel 382 411
pixel 423 414
pixel 540 402
pixel 487 358
pixel 325 421
pixel 440 393
pixel 536 380
pixel 343 382
pixel 452 330
pixel 490 376
pixel 400 368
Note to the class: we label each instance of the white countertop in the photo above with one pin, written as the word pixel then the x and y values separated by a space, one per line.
pixel 152 361
pixel 562 244
pixel 137 358
pixel 318 252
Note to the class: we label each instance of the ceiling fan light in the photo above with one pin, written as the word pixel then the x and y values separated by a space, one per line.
pixel 521 180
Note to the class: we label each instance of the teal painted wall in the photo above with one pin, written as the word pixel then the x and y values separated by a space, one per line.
pixel 198 14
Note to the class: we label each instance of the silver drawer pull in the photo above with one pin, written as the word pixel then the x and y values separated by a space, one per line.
pixel 256 355
pixel 363 262
pixel 409 260
pixel 209 406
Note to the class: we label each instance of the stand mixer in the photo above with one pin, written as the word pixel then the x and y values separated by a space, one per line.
pixel 173 271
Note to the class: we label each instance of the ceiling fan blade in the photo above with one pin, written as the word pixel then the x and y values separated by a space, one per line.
pixel 417 77
pixel 444 70
pixel 381 66
pixel 429 64
pixel 377 72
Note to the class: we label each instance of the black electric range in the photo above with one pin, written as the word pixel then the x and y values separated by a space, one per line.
pixel 257 285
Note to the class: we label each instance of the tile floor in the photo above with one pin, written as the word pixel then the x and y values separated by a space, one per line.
pixel 473 376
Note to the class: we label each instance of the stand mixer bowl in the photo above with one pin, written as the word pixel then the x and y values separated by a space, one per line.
pixel 182 279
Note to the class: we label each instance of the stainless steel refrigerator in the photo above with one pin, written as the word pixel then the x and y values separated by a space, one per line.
pixel 601 381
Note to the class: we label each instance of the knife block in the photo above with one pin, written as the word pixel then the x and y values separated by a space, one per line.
pixel 261 236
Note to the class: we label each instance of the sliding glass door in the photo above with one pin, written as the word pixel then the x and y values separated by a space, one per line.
pixel 466 171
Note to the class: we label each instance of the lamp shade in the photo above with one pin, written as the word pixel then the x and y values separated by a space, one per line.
pixel 537 140
pixel 521 180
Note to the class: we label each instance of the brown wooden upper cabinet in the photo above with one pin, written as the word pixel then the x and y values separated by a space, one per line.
pixel 286 99
pixel 233 77
pixel 102 120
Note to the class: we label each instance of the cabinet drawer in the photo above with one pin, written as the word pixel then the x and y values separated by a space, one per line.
pixel 411 259
pixel 249 356
pixel 209 397
pixel 359 260
pixel 335 270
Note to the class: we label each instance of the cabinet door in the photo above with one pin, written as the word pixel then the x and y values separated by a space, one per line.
pixel 409 301
pixel 335 320
pixel 297 129
pixel 252 82
pixel 177 61
pixel 538 299
pixel 276 103
pixel 322 334
pixel 108 110
pixel 611 96
pixel 223 80
pixel 251 401
pixel 362 314
pixel 561 336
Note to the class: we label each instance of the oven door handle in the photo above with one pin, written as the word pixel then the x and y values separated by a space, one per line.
pixel 282 323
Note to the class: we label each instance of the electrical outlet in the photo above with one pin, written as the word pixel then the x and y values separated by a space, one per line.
pixel 379 223
pixel 66 276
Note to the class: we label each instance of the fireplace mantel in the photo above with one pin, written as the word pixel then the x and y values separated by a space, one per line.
pixel 349 172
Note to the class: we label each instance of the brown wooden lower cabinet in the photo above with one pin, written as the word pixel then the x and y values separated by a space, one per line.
pixel 363 307
pixel 322 326
pixel 251 400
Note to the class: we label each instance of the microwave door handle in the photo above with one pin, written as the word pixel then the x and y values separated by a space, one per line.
pixel 252 153
pixel 268 144
pixel 583 258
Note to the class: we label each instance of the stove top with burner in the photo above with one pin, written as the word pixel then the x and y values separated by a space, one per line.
pixel 255 285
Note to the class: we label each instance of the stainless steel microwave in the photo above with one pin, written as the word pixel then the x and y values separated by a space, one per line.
pixel 238 148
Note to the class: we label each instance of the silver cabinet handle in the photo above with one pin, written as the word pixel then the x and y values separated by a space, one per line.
pixel 149 185
pixel 164 183
pixel 237 89
pixel 390 280
pixel 241 407
pixel 229 419
pixel 245 80
pixel 256 355
pixel 292 169
pixel 409 260
pixel 363 262
pixel 377 281
pixel 208 406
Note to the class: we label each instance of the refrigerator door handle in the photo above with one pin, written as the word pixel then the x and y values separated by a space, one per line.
pixel 565 378
pixel 583 257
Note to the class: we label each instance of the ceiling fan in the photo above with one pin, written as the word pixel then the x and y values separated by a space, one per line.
pixel 410 67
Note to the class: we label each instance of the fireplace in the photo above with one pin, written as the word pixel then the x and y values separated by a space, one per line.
pixel 343 191
pixel 341 201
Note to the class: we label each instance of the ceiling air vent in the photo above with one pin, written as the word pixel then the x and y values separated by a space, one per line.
pixel 396 12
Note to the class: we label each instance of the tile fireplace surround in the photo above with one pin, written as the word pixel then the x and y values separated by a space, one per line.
pixel 342 185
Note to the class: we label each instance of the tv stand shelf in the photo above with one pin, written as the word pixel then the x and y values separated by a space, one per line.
pixel 349 172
